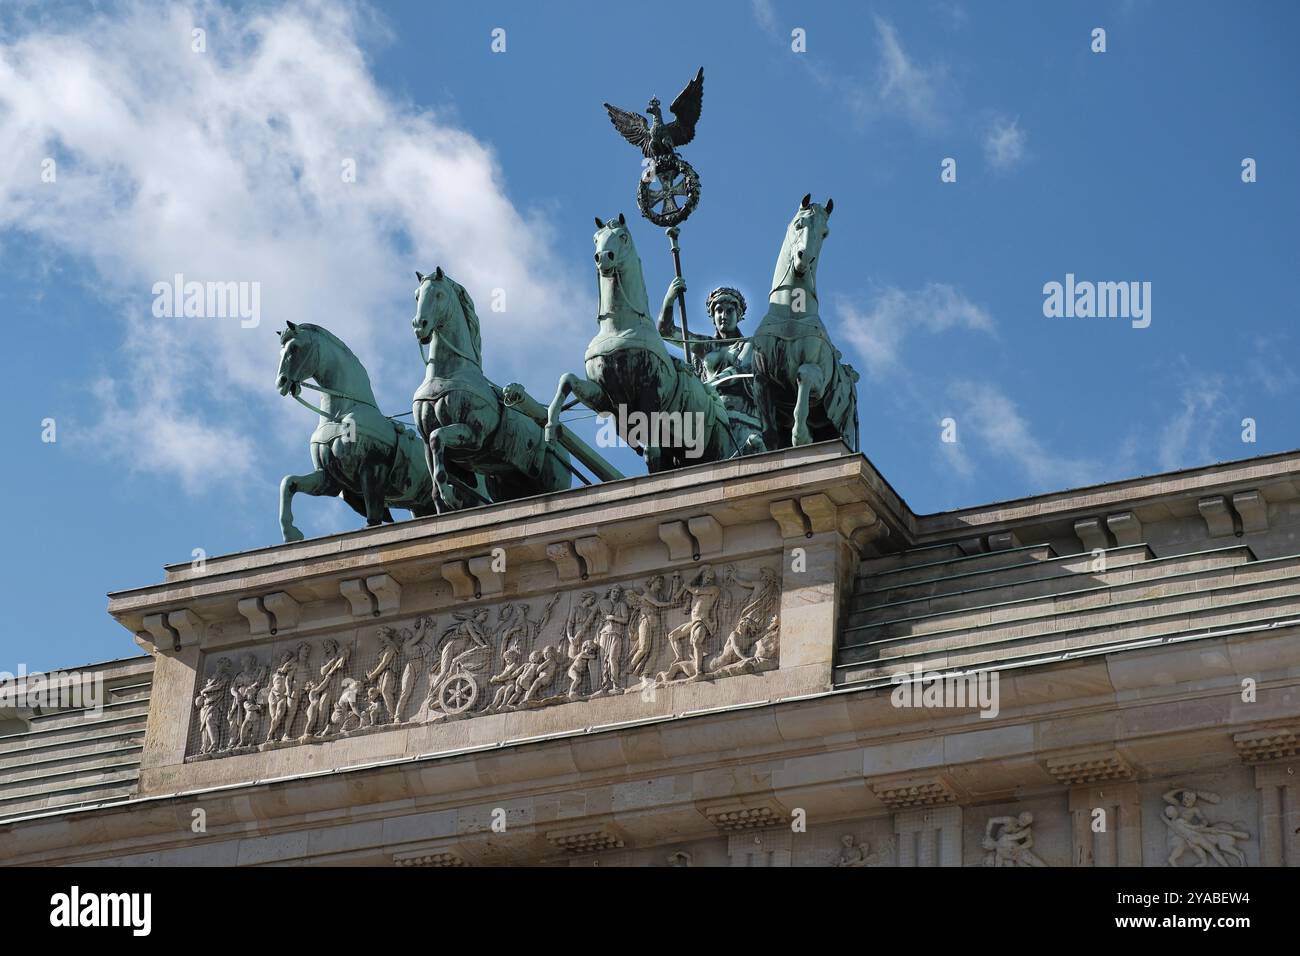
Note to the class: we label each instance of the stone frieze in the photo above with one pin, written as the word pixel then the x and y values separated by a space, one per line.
pixel 706 623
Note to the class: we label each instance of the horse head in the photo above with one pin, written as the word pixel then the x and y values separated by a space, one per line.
pixel 444 310
pixel 805 234
pixel 619 267
pixel 434 297
pixel 297 358
pixel 613 245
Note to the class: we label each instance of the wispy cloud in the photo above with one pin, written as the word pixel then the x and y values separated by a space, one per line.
pixel 878 333
pixel 765 14
pixel 147 432
pixel 230 165
pixel 902 84
pixel 1004 143
pixel 954 14
pixel 1187 438
pixel 990 421
pixel 1271 365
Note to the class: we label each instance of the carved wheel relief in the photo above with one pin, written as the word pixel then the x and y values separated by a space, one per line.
pixel 704 623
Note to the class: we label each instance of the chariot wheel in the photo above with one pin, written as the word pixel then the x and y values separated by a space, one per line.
pixel 457 694
pixel 668 192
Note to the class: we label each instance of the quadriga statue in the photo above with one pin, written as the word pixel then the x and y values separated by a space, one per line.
pixel 374 462
pixel 660 405
pixel 480 448
pixel 803 391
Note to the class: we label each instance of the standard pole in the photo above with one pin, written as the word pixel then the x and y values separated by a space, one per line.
pixel 673 232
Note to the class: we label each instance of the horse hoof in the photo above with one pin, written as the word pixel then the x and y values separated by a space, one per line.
pixel 291 534
pixel 551 432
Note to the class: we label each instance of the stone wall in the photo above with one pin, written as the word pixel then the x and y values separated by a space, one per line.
pixel 1146 708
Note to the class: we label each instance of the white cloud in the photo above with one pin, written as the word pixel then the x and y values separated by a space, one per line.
pixel 765 14
pixel 903 85
pixel 150 433
pixel 989 421
pixel 954 15
pixel 878 334
pixel 1004 143
pixel 1186 440
pixel 227 166
pixel 953 457
pixel 1271 367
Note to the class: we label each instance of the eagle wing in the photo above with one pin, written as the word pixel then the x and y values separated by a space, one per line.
pixel 632 125
pixel 686 111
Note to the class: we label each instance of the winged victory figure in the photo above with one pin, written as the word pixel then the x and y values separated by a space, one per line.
pixel 657 139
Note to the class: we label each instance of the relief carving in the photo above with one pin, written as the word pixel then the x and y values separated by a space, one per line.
pixel 210 698
pixel 286 691
pixel 243 699
pixel 854 854
pixel 1010 841
pixel 493 658
pixel 1190 829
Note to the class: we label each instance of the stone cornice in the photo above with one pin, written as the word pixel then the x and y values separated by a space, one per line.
pixel 1175 493
pixel 547 531
pixel 745 487
pixel 1267 744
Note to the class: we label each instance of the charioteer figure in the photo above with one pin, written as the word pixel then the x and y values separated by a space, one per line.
pixel 723 360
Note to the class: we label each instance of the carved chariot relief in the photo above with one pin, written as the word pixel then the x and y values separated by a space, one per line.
pixel 702 624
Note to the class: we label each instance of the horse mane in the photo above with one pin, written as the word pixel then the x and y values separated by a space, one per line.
pixel 330 337
pixel 327 334
pixel 471 319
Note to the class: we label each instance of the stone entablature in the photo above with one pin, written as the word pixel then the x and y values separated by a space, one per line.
pixel 703 588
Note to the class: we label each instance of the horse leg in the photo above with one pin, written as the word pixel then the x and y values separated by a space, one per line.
pixel 445 497
pixel 811 384
pixel 317 483
pixel 434 464
pixel 441 440
pixel 589 393
pixel 764 406
pixel 374 479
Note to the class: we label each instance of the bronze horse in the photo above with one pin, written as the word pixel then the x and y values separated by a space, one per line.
pixel 804 391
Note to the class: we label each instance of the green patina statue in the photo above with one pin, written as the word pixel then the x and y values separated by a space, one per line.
pixel 369 459
pixel 723 359
pixel 633 377
pixel 658 142
pixel 477 444
pixel 479 448
pixel 804 392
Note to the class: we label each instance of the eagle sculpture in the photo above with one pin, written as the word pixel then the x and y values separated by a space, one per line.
pixel 657 139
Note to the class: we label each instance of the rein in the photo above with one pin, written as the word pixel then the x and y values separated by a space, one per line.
pixel 336 394
pixel 617 290
pixel 812 291
pixel 789 268
pixel 444 343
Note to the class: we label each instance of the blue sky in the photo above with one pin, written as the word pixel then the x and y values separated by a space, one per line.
pixel 224 165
